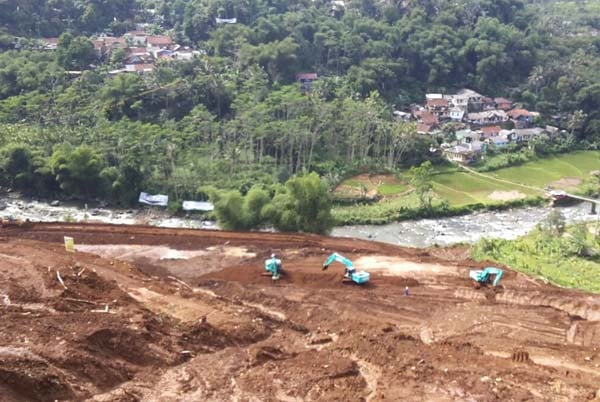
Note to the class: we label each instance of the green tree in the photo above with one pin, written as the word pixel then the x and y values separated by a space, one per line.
pixel 77 170
pixel 304 206
pixel 254 202
pixel 26 170
pixel 555 223
pixel 421 181
pixel 75 53
pixel 578 240
pixel 229 209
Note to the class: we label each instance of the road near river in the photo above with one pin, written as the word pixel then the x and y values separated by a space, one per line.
pixel 507 224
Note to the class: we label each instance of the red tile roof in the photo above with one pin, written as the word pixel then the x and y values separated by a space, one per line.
pixel 137 50
pixel 503 103
pixel 159 40
pixel 423 128
pixel 427 118
pixel 307 76
pixel 515 113
pixel 490 129
pixel 109 40
pixel 501 100
pixel 437 102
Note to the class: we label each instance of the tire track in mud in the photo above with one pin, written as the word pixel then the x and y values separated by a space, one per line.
pixel 578 307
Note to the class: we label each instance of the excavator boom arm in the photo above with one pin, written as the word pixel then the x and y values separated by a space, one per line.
pixel 341 259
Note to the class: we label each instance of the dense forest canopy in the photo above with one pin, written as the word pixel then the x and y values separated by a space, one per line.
pixel 234 116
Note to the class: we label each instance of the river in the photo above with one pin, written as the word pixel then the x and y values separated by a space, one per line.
pixel 507 224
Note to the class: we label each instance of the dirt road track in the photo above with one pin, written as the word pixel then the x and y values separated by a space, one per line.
pixel 126 329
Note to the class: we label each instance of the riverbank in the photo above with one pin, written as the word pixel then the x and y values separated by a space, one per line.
pixel 17 207
pixel 570 259
pixel 458 192
pixel 466 229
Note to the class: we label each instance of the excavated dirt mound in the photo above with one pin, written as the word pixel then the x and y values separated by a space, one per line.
pixel 147 314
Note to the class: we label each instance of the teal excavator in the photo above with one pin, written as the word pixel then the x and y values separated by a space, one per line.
pixel 483 277
pixel 273 267
pixel 359 277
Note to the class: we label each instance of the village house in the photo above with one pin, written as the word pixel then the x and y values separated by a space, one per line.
pixel 503 104
pixel 521 117
pixel 466 99
pixel 423 128
pixel 49 43
pixel 489 117
pixel 433 96
pixel 138 55
pixel 404 116
pixel 487 104
pixel 526 134
pixel 134 68
pixel 438 107
pixel 456 114
pixel 104 45
pixel 306 80
pixel 490 131
pixel 552 131
pixel 136 38
pixel 466 136
pixel 498 142
pixel 158 42
pixel 464 153
pixel 425 117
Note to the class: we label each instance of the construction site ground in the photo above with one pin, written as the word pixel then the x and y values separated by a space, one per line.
pixel 147 314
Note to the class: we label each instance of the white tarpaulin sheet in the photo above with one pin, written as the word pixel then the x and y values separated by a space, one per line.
pixel 197 206
pixel 226 20
pixel 158 199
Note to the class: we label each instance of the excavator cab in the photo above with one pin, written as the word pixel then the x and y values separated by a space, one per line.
pixel 273 267
pixel 483 277
pixel 359 277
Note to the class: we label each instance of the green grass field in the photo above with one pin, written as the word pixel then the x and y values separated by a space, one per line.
pixel 462 188
pixel 543 172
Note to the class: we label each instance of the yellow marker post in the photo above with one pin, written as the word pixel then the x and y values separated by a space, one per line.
pixel 69 244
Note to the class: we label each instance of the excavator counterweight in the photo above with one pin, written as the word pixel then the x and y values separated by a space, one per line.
pixel 359 277
pixel 273 267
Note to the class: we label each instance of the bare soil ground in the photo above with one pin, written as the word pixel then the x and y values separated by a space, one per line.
pixel 506 195
pixel 148 314
pixel 566 183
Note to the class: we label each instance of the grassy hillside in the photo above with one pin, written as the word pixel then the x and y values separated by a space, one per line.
pixel 548 256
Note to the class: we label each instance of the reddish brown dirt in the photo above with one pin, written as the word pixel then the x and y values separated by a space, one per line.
pixel 124 328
